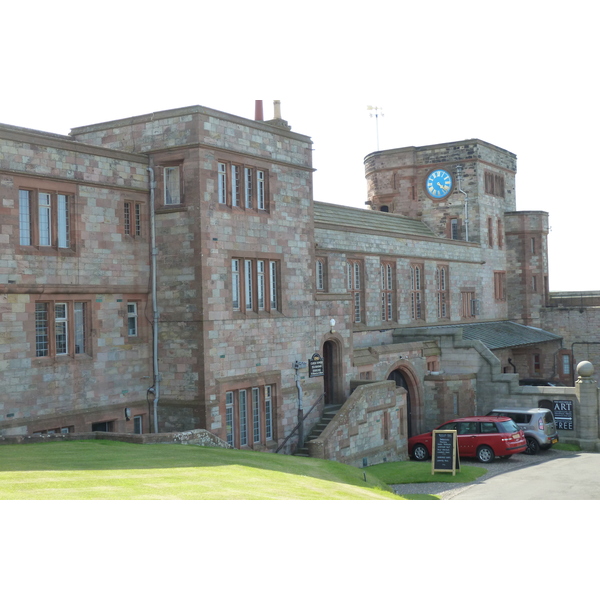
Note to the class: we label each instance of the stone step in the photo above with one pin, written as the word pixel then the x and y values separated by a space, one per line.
pixel 328 413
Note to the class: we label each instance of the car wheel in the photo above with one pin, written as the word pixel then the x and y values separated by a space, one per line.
pixel 533 446
pixel 420 452
pixel 485 454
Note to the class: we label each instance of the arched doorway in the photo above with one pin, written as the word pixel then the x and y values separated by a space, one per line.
pixel 332 373
pixel 402 380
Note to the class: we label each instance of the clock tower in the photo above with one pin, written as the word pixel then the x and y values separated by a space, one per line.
pixel 460 189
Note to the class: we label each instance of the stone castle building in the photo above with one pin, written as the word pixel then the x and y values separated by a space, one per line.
pixel 171 271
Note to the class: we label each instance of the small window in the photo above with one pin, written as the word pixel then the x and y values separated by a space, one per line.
pixel 102 426
pixel 172 183
pixel 132 319
pixel 222 183
pixel 454 229
pixel 138 424
pixel 500 285
pixel 320 271
pixel 132 219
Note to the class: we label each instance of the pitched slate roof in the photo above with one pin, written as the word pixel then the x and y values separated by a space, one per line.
pixel 495 334
pixel 334 215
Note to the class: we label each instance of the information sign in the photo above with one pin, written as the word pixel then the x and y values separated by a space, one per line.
pixel 563 414
pixel 315 365
pixel 445 458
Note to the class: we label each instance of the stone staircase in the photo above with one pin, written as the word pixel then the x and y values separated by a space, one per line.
pixel 328 413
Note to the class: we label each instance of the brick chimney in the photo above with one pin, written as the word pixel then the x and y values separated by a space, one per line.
pixel 258 110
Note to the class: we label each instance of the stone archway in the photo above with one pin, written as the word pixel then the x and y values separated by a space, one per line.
pixel 404 378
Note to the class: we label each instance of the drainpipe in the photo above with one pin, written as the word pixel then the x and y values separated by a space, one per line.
pixel 299 364
pixel 459 179
pixel 154 252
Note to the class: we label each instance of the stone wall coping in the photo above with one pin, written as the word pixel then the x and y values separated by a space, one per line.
pixel 191 437
pixel 190 110
pixel 64 142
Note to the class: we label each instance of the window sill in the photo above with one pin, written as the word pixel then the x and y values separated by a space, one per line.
pixel 169 209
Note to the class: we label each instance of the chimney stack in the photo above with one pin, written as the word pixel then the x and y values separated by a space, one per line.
pixel 258 110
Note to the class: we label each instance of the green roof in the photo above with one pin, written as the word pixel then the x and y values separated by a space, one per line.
pixel 495 335
pixel 373 221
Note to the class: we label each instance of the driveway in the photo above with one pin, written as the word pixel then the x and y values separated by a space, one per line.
pixel 548 475
pixel 572 477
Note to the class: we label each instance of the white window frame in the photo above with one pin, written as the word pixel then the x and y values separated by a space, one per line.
pixel 25 237
pixel 320 275
pixel 354 287
pixel 172 185
pixel 230 418
pixel 248 187
pixel 256 290
pixel 132 319
pixel 417 304
pixel 222 182
pixel 138 424
pixel 268 413
pixel 243 408
pixel 235 284
pixel 260 190
pixel 256 416
pixel 61 328
pixel 235 185
pixel 45 218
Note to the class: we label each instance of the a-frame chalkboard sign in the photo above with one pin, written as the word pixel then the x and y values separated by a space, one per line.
pixel 445 458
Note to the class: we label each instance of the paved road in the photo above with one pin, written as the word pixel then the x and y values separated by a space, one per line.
pixel 570 476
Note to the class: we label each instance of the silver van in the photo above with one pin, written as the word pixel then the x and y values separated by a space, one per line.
pixel 537 424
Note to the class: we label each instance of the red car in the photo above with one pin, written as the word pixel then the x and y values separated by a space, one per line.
pixel 481 437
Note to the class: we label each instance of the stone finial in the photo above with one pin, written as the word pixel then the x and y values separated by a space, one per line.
pixel 585 369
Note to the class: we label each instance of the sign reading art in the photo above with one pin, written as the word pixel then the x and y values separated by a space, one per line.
pixel 315 365
pixel 445 458
pixel 563 414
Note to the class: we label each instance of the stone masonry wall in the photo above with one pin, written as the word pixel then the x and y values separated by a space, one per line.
pixel 103 268
pixel 369 429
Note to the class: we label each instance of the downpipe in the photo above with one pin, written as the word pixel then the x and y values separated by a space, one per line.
pixel 154 252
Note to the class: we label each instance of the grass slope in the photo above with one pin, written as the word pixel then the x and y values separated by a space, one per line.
pixel 107 470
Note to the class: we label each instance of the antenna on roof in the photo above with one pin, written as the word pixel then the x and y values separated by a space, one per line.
pixel 375 111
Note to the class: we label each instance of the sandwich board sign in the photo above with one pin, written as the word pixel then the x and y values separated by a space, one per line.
pixel 444 448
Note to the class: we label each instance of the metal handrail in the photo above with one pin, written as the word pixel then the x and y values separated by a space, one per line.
pixel 298 425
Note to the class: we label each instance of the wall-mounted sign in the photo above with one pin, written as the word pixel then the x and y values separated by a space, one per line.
pixel 563 414
pixel 445 458
pixel 315 365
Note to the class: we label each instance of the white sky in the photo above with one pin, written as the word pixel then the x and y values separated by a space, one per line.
pixel 521 75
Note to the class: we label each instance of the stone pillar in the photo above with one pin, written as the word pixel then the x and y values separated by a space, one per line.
pixel 587 420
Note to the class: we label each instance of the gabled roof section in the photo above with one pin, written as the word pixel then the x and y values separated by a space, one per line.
pixel 372 221
pixel 495 335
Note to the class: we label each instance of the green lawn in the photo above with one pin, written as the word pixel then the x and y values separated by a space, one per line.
pixel 107 470
pixel 396 473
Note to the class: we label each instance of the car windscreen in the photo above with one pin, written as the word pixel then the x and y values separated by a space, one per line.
pixel 507 426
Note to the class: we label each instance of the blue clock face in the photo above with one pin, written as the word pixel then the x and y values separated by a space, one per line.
pixel 439 183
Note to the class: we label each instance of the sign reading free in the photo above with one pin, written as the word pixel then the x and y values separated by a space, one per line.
pixel 563 414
